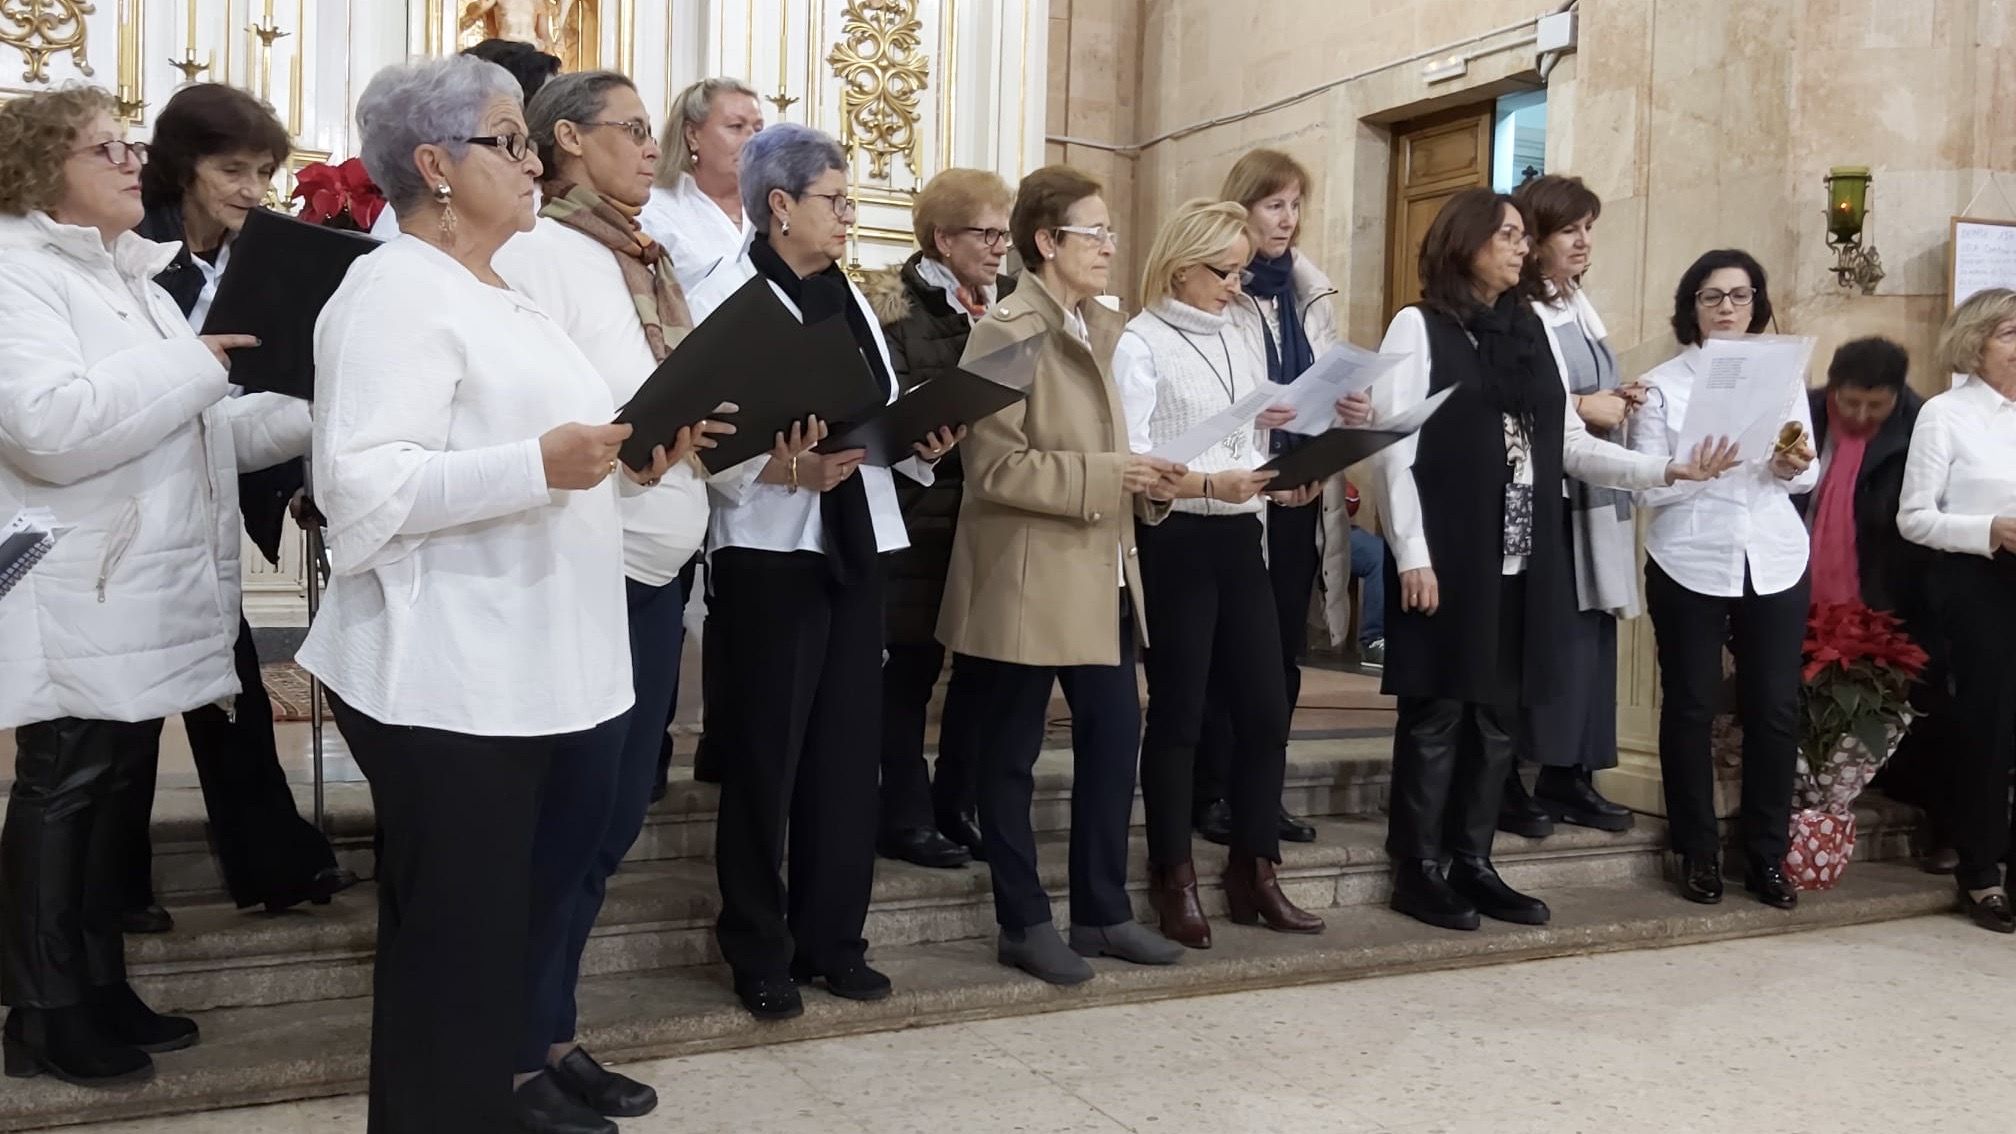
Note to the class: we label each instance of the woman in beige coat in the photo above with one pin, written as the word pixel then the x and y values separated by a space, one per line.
pixel 1039 589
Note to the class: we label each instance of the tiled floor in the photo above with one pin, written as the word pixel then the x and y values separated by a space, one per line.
pixel 1896 1027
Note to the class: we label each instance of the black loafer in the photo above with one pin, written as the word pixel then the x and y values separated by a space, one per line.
pixel 545 1107
pixel 770 997
pixel 1295 830
pixel 1480 884
pixel 855 980
pixel 1771 887
pixel 1214 822
pixel 1991 912
pixel 1579 804
pixel 601 1090
pixel 923 846
pixel 145 919
pixel 1421 892
pixel 1701 879
pixel 964 829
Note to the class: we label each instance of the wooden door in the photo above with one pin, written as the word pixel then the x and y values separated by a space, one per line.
pixel 1433 159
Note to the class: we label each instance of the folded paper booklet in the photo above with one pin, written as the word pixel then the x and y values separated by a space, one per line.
pixel 1334 450
pixel 1747 390
pixel 24 540
pixel 980 388
pixel 281 274
pixel 754 352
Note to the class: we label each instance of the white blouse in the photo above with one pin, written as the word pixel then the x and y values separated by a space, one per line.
pixel 700 238
pixel 1708 535
pixel 1961 473
pixel 466 595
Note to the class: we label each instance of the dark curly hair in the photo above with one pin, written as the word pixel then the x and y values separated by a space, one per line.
pixel 37 133
pixel 201 121
pixel 1687 320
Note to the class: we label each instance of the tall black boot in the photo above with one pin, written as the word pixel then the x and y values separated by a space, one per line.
pixel 65 1044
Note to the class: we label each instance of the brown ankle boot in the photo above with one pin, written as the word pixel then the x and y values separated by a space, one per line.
pixel 1255 896
pixel 1173 890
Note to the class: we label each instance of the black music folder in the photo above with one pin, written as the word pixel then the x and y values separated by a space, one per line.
pixel 1334 450
pixel 978 389
pixel 754 352
pixel 281 274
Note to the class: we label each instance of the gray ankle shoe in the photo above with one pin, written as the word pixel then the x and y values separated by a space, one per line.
pixel 1042 954
pixel 1129 941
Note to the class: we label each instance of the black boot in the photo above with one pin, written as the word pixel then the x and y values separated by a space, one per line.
pixel 122 1017
pixel 1701 878
pixel 601 1090
pixel 546 1107
pixel 1422 893
pixel 66 1044
pixel 923 846
pixel 1518 814
pixel 1478 881
pixel 1568 796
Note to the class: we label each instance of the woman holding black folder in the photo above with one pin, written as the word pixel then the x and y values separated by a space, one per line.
pixel 795 547
pixel 1476 581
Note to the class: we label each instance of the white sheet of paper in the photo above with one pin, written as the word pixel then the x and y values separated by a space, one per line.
pixel 1195 441
pixel 1342 371
pixel 1745 390
pixel 1412 420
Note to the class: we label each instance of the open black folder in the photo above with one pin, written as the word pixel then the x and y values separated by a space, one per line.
pixel 980 388
pixel 281 274
pixel 751 351
pixel 1334 450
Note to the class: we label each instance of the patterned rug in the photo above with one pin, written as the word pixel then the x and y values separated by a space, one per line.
pixel 287 684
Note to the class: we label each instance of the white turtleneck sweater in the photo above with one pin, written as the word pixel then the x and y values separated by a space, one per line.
pixel 1176 366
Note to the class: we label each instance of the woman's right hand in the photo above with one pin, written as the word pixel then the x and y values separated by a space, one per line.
pixel 1710 459
pixel 802 437
pixel 823 472
pixel 1604 410
pixel 579 456
pixel 2002 534
pixel 1419 590
pixel 221 346
pixel 1141 472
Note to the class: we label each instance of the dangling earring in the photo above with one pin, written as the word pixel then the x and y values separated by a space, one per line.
pixel 445 195
pixel 787 226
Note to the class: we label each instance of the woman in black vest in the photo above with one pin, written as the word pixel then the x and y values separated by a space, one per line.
pixel 1466 575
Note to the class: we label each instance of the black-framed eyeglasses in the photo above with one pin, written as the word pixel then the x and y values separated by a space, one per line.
pixel 1713 297
pixel 991 237
pixel 118 151
pixel 640 132
pixel 843 205
pixel 513 146
pixel 1242 272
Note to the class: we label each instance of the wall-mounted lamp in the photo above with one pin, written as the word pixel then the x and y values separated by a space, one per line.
pixel 1847 211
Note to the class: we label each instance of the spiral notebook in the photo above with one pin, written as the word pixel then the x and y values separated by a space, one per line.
pixel 24 540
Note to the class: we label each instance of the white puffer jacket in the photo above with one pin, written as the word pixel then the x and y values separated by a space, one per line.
pixel 116 419
pixel 1313 292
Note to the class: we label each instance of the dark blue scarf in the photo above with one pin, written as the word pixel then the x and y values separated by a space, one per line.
pixel 1275 279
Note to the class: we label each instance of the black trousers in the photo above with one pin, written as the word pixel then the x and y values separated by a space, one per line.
pixel 1105 740
pixel 265 850
pixel 912 795
pixel 685 582
pixel 1211 623
pixel 1766 634
pixel 1293 563
pixel 1450 757
pixel 799 722
pixel 1577 727
pixel 62 853
pixel 457 816
pixel 1977 600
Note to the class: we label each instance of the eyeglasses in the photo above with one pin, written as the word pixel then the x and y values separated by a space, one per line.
pixel 638 131
pixel 1098 232
pixel 991 237
pixel 1513 234
pixel 117 151
pixel 1245 275
pixel 843 206
pixel 1713 297
pixel 513 146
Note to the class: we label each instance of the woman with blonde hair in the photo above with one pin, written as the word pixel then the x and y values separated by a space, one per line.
pixel 1203 573
pixel 1959 498
pixel 695 210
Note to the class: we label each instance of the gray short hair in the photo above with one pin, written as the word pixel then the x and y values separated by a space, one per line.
pixel 692 107
pixel 574 97
pixel 786 156
pixel 435 102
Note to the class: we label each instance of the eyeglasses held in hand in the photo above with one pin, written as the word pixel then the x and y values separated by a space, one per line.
pixel 513 146
pixel 1713 297
pixel 1098 232
pixel 991 237
pixel 118 151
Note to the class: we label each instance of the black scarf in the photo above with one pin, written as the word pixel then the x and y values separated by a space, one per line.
pixel 1506 350
pixel 843 512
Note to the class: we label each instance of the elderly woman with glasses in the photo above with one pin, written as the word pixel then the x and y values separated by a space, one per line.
pixel 611 288
pixel 795 547
pixel 1726 567
pixel 473 639
pixel 113 418
pixel 928 306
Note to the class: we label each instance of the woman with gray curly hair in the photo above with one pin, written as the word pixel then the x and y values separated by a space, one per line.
pixel 473 635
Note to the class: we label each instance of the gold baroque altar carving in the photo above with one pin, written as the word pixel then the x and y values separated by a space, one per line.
pixel 881 74
pixel 39 29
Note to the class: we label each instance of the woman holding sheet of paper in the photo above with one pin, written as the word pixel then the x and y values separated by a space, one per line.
pixel 1204 575
pixel 1727 567
pixel 1477 591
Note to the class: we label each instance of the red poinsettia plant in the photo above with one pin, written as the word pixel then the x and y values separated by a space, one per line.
pixel 338 196
pixel 1859 669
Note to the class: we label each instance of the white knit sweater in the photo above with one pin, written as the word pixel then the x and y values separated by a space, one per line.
pixel 1176 366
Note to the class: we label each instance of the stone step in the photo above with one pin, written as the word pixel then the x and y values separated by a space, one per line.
pixel 661 914
pixel 295 1051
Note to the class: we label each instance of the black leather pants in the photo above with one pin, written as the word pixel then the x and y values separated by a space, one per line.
pixel 62 852
pixel 1449 765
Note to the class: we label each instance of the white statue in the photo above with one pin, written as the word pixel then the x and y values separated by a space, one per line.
pixel 545 23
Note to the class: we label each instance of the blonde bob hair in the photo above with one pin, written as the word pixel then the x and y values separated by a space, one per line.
pixel 1198 232
pixel 37 133
pixel 692 107
pixel 1964 340
pixel 955 199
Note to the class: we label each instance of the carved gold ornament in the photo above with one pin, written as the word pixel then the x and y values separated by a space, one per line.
pixel 881 76
pixel 41 28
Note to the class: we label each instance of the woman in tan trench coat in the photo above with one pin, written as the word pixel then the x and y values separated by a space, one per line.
pixel 1043 586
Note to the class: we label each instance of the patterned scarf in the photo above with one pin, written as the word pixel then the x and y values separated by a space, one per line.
pixel 647 270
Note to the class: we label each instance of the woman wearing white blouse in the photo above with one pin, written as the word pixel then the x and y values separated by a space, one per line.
pixel 1959 497
pixel 695 209
pixel 473 632
pixel 1727 566
pixel 1204 575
